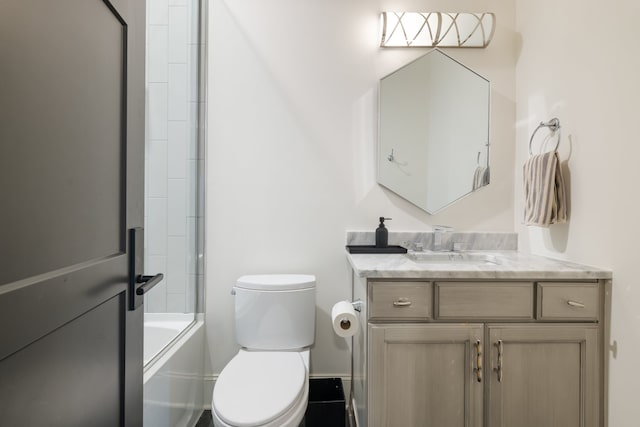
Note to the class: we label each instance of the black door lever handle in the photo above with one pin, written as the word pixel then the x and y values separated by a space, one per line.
pixel 149 282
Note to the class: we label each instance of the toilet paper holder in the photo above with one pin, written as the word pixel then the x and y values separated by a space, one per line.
pixel 344 319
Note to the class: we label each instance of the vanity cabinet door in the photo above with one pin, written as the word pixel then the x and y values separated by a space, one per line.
pixel 425 375
pixel 543 376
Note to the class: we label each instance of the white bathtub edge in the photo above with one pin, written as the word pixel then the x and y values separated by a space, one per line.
pixel 173 383
pixel 152 368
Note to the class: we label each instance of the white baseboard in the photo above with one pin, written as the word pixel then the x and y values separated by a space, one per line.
pixel 208 382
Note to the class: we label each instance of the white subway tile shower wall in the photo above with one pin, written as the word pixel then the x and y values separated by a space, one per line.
pixel 172 153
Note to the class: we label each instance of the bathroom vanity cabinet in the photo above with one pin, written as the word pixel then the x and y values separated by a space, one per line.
pixel 461 349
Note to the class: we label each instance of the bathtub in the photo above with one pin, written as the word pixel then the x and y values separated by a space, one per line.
pixel 173 379
pixel 160 329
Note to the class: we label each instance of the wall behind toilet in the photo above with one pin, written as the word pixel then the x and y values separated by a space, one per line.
pixel 292 135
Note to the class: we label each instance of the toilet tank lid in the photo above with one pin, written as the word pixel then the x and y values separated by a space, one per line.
pixel 277 282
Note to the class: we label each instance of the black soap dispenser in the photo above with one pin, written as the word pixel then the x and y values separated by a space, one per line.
pixel 382 234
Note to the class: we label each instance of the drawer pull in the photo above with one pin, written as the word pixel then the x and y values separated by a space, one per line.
pixel 575 304
pixel 478 368
pixel 402 302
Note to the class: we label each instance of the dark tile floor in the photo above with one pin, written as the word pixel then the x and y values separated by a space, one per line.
pixel 205 420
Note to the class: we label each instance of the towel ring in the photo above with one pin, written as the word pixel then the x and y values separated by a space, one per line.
pixel 553 125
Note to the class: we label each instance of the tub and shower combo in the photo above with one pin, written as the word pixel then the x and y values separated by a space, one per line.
pixel 174 211
pixel 174 369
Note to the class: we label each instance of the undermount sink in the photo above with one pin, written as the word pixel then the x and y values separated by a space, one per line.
pixel 453 258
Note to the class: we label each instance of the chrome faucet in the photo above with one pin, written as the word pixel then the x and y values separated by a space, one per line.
pixel 440 243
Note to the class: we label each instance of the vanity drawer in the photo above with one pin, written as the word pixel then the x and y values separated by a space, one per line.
pixel 484 300
pixel 568 301
pixel 400 300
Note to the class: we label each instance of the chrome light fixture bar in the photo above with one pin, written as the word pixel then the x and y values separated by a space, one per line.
pixel 436 29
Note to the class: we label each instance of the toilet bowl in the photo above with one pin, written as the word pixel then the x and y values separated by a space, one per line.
pixel 262 389
pixel 267 383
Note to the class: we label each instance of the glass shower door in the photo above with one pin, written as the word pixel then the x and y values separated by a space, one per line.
pixel 173 168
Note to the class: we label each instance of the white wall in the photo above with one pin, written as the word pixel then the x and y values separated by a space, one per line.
pixel 292 116
pixel 578 61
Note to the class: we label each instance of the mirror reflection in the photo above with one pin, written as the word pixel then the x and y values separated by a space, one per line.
pixel 434 131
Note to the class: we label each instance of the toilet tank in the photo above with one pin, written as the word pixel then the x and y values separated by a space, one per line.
pixel 275 311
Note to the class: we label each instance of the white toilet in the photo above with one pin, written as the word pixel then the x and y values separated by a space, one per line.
pixel 267 383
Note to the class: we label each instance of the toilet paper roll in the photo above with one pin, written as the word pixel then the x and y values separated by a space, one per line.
pixel 344 319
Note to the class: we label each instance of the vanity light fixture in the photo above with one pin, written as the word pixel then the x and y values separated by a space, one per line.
pixel 436 29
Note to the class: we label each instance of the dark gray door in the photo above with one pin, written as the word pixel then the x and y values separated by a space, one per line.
pixel 71 187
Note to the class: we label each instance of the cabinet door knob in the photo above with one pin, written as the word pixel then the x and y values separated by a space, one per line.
pixel 402 302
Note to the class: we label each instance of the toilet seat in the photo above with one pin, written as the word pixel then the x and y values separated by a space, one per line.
pixel 257 388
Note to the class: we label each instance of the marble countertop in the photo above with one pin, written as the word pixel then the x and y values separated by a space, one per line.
pixel 512 265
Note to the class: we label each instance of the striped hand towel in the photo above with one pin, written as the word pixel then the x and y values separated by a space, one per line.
pixel 544 192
